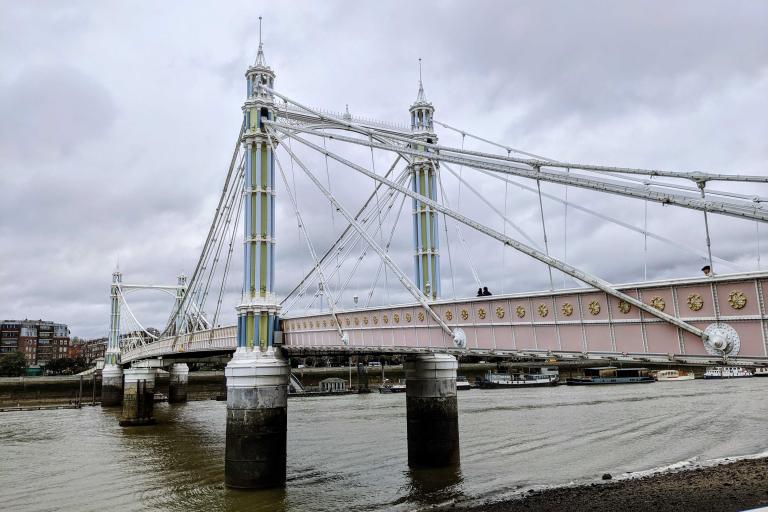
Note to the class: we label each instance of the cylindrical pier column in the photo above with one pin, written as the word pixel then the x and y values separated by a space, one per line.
pixel 111 385
pixel 177 383
pixel 138 397
pixel 432 412
pixel 257 399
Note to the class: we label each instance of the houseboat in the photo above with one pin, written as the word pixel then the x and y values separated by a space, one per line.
pixel 545 377
pixel 727 372
pixel 612 375
pixel 673 375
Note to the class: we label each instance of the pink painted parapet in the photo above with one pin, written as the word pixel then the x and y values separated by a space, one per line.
pixel 568 321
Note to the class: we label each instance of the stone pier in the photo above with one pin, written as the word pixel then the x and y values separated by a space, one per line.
pixel 432 412
pixel 177 383
pixel 111 385
pixel 257 396
pixel 138 397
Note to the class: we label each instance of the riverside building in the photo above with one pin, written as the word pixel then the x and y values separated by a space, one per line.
pixel 40 341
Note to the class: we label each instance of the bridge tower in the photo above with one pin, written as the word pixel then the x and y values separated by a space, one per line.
pixel 423 175
pixel 112 374
pixel 257 376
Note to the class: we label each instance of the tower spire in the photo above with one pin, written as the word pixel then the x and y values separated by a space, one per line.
pixel 421 97
pixel 260 59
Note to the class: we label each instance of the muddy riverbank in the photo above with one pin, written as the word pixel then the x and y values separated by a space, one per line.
pixel 727 486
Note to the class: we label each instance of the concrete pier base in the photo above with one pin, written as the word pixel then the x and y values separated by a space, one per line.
pixel 138 397
pixel 177 383
pixel 111 385
pixel 257 399
pixel 432 412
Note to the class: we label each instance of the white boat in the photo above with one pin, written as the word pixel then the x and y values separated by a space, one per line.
pixel 673 375
pixel 462 384
pixel 727 372
pixel 761 372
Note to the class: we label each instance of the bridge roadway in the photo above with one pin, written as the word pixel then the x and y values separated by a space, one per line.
pixel 565 324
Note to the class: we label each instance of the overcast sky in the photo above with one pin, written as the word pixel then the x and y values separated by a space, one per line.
pixel 118 120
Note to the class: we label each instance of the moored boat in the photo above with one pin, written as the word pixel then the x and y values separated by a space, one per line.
pixel 389 387
pixel 761 372
pixel 611 375
pixel 545 377
pixel 462 384
pixel 727 372
pixel 673 375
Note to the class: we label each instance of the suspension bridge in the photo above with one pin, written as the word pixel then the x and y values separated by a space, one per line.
pixel 713 318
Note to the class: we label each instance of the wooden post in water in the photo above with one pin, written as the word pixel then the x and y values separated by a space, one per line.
pixel 80 393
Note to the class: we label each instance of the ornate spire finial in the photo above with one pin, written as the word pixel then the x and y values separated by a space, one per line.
pixel 260 59
pixel 421 97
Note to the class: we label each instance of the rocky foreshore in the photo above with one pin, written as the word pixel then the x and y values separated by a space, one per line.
pixel 726 486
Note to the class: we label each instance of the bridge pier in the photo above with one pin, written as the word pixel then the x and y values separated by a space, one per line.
pixel 432 411
pixel 257 399
pixel 138 397
pixel 177 383
pixel 111 385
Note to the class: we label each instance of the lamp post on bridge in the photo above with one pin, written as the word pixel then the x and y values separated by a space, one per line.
pixel 257 376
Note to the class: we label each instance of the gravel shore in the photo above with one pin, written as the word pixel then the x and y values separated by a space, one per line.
pixel 729 486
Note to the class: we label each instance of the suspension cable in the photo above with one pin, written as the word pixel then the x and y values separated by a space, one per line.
pixel 407 283
pixel 445 227
pixel 530 251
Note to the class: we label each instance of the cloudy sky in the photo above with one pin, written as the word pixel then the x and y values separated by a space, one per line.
pixel 117 123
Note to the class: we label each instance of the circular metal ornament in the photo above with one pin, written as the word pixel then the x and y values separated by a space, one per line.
pixel 408 317
pixel 449 315
pixel 481 313
pixel 421 316
pixel 543 310
pixel 594 307
pixel 624 306
pixel 720 339
pixel 695 302
pixel 737 299
pixel 500 312
pixel 520 311
pixel 396 318
pixel 459 338
pixel 385 319
pixel 464 314
pixel 567 309
pixel 658 303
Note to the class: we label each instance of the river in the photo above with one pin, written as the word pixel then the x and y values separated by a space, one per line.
pixel 349 452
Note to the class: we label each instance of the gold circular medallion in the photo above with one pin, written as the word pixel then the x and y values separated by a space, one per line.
pixel 520 311
pixel 594 307
pixel 375 320
pixel 695 302
pixel 464 314
pixel 408 317
pixel 420 316
pixel 365 320
pixel 448 315
pixel 347 321
pixel 481 313
pixel 567 309
pixel 543 310
pixel 624 306
pixel 737 299
pixel 396 318
pixel 385 318
pixel 357 321
pixel 658 303
pixel 500 312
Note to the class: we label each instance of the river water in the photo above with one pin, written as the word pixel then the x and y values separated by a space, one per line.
pixel 349 452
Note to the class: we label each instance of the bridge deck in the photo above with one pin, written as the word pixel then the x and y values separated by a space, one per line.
pixel 567 323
